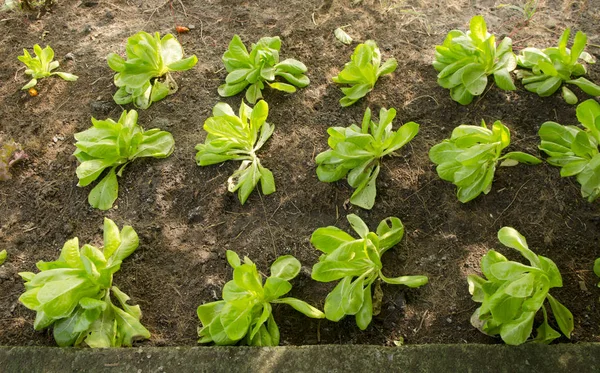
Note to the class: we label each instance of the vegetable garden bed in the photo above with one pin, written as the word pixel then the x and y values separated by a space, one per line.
pixel 185 217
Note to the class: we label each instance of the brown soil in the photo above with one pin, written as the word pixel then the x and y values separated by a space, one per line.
pixel 185 217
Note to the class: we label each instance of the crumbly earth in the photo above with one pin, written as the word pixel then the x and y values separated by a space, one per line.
pixel 185 217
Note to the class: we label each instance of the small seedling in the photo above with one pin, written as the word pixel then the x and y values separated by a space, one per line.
pixel 465 60
pixel 258 67
pixel 245 313
pixel 238 138
pixel 10 154
pixel 357 263
pixel 109 145
pixel 41 66
pixel 356 152
pixel 74 294
pixel 470 157
pixel 362 72
pixel 551 68
pixel 513 293
pixel 575 150
pixel 145 77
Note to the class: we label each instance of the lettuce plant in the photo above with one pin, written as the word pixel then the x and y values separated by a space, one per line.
pixel 245 313
pixel 575 150
pixel 362 72
pixel 357 263
pixel 10 154
pixel 470 156
pixel 356 152
pixel 232 137
pixel 513 294
pixel 258 67
pixel 551 68
pixel 74 294
pixel 145 77
pixel 465 60
pixel 41 65
pixel 110 145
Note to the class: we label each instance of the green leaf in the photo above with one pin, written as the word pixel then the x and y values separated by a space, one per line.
pixel 285 267
pixel 358 225
pixel 410 281
pixel 302 307
pixel 365 314
pixel 342 36
pixel 233 259
pixel 236 321
pixel 510 237
pixel 516 332
pixel 334 309
pixel 329 238
pixel 563 316
pixel 276 287
pixel 334 270
pixel 283 87
pixel 2 257
pixel 474 79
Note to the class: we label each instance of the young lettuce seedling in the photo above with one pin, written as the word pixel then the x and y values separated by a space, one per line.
pixel 258 67
pixel 74 294
pixel 238 138
pixel 110 144
pixel 468 159
pixel 553 67
pixel 362 72
pixel 357 152
pixel 465 60
pixel 10 154
pixel 575 150
pixel 357 262
pixel 246 309
pixel 513 293
pixel 41 65
pixel 145 77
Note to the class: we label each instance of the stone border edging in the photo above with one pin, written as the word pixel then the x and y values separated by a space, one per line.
pixel 476 358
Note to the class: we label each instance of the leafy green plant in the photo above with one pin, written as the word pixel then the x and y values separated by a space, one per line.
pixel 356 152
pixel 470 156
pixel 74 294
pixel 109 145
pixel 258 67
pixel 357 263
pixel 10 154
pixel 553 67
pixel 41 65
pixel 3 255
pixel 362 72
pixel 465 60
pixel 528 9
pixel 232 137
pixel 145 77
pixel 575 150
pixel 514 293
pixel 245 313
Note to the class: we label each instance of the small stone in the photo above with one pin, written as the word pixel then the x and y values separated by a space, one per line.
pixel 109 15
pixel 70 56
pixel 101 107
pixel 191 27
pixel 582 286
pixel 449 320
pixel 195 215
pixel 87 29
pixel 68 228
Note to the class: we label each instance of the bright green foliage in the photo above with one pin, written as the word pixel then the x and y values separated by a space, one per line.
pixel 232 137
pixel 597 268
pixel 469 158
pixel 108 145
pixel 362 72
pixel 41 65
pixel 258 67
pixel 357 152
pixel 553 67
pixel 246 309
pixel 74 293
pixel 465 60
pixel 576 150
pixel 3 255
pixel 10 153
pixel 357 263
pixel 513 293
pixel 145 77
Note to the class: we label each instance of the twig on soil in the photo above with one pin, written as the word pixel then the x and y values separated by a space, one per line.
pixel 6 19
pixel 422 320
pixel 97 80
pixel 416 98
pixel 511 202
pixel 594 45
pixel 16 72
pixel 182 7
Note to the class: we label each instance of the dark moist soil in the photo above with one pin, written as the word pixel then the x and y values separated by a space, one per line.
pixel 185 217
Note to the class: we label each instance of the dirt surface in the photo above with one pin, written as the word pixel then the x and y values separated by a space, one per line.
pixel 185 217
